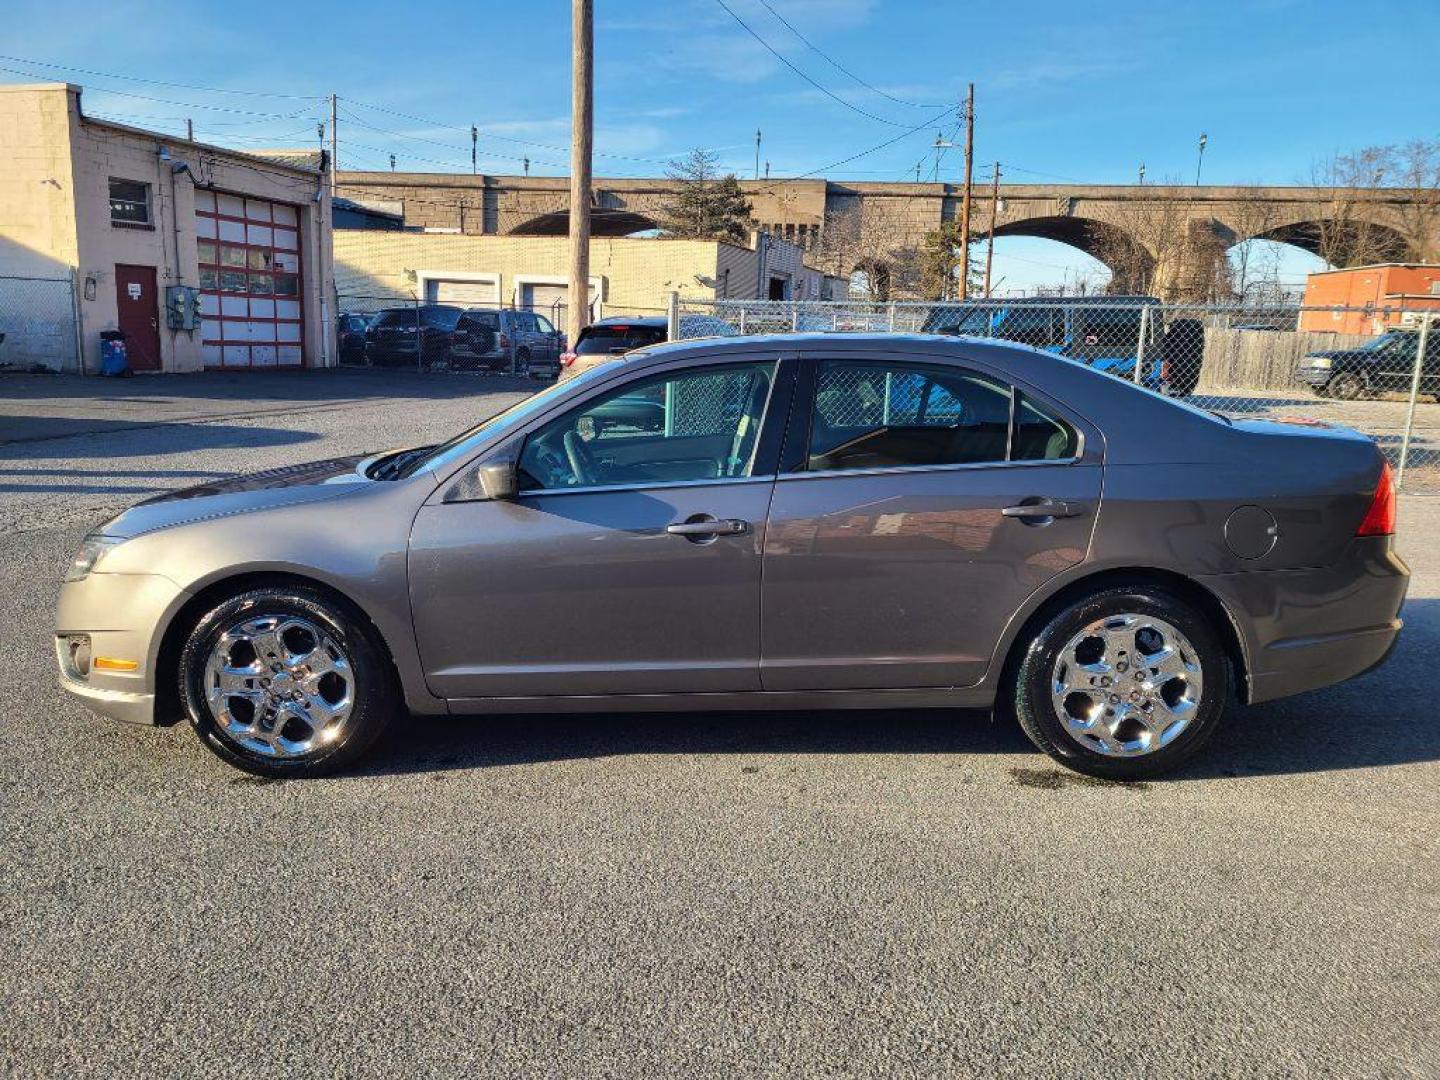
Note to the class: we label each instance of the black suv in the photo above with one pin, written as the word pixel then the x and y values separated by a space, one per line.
pixel 1386 363
pixel 424 335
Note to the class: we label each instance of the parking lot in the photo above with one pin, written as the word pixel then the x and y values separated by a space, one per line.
pixel 900 893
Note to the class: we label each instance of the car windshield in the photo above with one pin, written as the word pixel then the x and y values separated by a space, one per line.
pixel 455 449
pixel 617 337
pixel 1393 339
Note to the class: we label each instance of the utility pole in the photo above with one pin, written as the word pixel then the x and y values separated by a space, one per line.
pixel 190 129
pixel 474 142
pixel 392 162
pixel 582 133
pixel 965 200
pixel 334 141
pixel 527 165
pixel 990 243
pixel 767 170
pixel 757 153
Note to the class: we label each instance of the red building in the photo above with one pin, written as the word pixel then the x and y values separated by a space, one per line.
pixel 1376 297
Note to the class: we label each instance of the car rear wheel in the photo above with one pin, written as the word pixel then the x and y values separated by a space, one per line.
pixel 286 682
pixel 1125 683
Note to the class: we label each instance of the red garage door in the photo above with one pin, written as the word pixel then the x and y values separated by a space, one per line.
pixel 250 281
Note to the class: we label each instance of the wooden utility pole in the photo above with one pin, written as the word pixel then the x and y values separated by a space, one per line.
pixel 334 142
pixel 582 131
pixel 965 199
pixel 990 240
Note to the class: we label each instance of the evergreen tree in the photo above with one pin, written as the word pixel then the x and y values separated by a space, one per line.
pixel 705 205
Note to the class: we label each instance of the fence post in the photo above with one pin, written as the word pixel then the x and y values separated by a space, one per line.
pixel 891 312
pixel 672 316
pixel 794 318
pixel 75 317
pixel 1140 348
pixel 743 311
pixel 1414 396
pixel 419 339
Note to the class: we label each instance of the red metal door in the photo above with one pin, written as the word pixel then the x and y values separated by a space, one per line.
pixel 139 309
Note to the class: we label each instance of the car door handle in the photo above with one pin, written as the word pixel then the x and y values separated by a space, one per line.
pixel 709 527
pixel 1045 509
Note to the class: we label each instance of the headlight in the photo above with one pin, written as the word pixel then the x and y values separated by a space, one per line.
pixel 1319 361
pixel 92 550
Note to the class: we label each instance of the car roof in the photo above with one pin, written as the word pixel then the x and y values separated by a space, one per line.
pixel 650 321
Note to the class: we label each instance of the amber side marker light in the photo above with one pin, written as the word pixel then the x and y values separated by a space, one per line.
pixel 1380 518
pixel 109 663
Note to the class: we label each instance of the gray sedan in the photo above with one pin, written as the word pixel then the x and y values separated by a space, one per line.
pixel 799 521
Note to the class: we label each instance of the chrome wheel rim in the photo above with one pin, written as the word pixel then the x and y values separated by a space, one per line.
pixel 1126 685
pixel 279 685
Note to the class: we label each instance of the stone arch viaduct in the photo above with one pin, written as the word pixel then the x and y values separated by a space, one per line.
pixel 1345 227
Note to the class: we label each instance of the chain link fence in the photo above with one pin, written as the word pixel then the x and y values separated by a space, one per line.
pixel 1376 370
pixel 37 324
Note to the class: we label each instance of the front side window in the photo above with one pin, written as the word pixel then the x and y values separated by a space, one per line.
pixel 543 324
pixel 129 202
pixel 870 415
pixel 695 425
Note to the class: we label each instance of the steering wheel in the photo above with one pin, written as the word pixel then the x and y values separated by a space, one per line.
pixel 582 461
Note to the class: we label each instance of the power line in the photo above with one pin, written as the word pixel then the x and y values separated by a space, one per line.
pixel 154 82
pixel 827 92
pixel 840 67
pixel 172 101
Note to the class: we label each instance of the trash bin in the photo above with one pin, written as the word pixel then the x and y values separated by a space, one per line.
pixel 113 360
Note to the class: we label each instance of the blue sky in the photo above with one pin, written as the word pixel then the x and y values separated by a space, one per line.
pixel 1080 91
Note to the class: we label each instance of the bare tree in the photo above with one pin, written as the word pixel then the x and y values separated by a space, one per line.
pixel 1346 232
pixel 851 243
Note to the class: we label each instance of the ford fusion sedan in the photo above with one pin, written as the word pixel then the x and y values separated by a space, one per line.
pixel 799 521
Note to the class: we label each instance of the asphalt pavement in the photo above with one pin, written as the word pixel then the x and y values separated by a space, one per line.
pixel 821 894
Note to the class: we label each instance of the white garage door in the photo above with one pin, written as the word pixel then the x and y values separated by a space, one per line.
pixel 463 293
pixel 250 281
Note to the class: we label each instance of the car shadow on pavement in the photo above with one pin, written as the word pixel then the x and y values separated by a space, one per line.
pixel 435 744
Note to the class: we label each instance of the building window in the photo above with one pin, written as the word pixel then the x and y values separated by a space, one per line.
pixel 129 202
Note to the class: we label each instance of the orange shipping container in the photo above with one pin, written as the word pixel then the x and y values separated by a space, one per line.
pixel 1377 297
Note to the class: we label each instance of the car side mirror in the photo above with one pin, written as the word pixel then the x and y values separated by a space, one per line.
pixel 498 478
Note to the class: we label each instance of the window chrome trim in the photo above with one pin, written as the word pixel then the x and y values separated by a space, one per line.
pixel 969 466
pixel 654 485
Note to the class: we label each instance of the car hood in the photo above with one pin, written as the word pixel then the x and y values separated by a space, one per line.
pixel 293 484
pixel 1342 354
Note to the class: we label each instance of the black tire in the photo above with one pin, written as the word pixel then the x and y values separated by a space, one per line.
pixel 1346 386
pixel 374 696
pixel 522 362
pixel 1184 353
pixel 1028 691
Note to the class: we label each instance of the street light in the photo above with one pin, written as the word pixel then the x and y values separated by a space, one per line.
pixel 1200 160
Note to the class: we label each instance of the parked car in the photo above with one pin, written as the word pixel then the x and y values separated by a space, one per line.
pixel 350 336
pixel 820 520
pixel 610 337
pixel 1103 332
pixel 1385 363
pixel 420 335
pixel 521 342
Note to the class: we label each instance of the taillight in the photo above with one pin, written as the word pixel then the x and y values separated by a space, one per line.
pixel 504 341
pixel 567 358
pixel 1380 518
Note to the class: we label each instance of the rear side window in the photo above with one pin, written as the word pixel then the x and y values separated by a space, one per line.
pixel 1116 327
pixel 395 317
pixel 616 339
pixel 879 415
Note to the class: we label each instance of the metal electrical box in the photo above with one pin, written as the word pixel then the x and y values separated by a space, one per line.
pixel 182 307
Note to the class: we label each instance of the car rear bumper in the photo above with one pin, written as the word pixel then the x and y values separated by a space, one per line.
pixel 1306 629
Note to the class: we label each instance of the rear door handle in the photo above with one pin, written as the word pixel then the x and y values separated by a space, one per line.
pixel 1046 509
pixel 709 527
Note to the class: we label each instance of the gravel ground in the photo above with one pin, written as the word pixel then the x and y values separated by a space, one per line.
pixel 904 893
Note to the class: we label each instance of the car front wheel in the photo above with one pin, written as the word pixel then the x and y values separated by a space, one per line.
pixel 1126 683
pixel 286 682
pixel 1346 387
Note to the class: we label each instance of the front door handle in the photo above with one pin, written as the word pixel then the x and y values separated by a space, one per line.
pixel 708 526
pixel 1043 509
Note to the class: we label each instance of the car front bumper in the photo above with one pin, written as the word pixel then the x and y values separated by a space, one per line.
pixel 124 617
pixel 1314 377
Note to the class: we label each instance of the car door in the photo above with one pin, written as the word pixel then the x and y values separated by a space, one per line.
pixel 547 347
pixel 629 562
pixel 918 506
